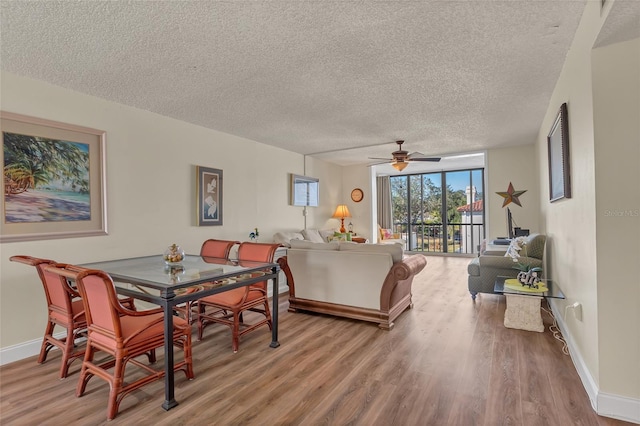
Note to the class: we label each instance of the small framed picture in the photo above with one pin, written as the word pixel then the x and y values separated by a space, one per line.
pixel 559 164
pixel 209 196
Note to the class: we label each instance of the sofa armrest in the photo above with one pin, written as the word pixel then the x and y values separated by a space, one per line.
pixel 397 283
pixel 496 262
pixel 410 265
pixel 284 267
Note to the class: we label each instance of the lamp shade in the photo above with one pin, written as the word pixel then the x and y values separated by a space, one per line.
pixel 399 165
pixel 341 212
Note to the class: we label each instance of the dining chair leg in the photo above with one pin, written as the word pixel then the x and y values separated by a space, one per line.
pixel 46 346
pixel 267 313
pixel 85 375
pixel 188 359
pixel 115 388
pixel 200 325
pixel 66 353
pixel 235 331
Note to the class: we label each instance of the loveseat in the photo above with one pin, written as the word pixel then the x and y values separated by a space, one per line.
pixel 484 269
pixel 370 282
pixel 314 235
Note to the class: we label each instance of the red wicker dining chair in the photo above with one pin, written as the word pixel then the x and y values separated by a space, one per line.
pixel 217 248
pixel 123 334
pixel 227 307
pixel 65 309
pixel 211 248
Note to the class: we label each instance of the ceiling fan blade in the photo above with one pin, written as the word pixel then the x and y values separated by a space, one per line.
pixel 381 162
pixel 434 159
pixel 402 156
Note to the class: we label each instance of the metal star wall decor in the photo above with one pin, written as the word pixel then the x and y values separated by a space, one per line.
pixel 511 195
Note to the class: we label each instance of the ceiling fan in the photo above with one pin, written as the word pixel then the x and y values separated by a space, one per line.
pixel 402 158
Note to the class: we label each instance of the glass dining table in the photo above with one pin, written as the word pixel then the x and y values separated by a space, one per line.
pixel 152 280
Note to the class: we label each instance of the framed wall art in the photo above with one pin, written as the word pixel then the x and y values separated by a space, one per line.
pixel 559 164
pixel 54 179
pixel 209 196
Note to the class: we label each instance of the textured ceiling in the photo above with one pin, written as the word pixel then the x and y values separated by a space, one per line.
pixel 622 24
pixel 310 76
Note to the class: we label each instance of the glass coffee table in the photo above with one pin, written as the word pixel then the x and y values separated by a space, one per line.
pixel 523 305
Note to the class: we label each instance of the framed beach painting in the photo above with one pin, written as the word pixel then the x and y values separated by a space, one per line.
pixel 208 196
pixel 54 179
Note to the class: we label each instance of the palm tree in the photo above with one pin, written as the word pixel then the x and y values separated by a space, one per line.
pixel 32 161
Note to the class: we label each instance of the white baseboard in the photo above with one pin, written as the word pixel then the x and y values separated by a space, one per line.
pixel 27 349
pixel 608 405
pixel 24 350
pixel 619 407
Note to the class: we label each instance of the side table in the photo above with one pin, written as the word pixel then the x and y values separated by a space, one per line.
pixel 359 240
pixel 523 308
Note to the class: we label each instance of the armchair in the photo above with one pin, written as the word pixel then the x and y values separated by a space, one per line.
pixel 484 269
pixel 218 249
pixel 227 308
pixel 122 335
pixel 65 309
pixel 388 237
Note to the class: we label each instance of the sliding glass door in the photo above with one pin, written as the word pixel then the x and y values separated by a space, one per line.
pixel 440 212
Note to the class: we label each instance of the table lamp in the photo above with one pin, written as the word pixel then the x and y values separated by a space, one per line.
pixel 341 212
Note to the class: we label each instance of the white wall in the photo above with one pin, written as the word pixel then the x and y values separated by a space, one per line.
pixel 591 256
pixel 151 163
pixel 517 165
pixel 330 176
pixel 616 106
pixel 570 223
pixel 359 177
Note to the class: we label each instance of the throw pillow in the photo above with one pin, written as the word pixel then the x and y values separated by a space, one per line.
pixel 313 235
pixel 326 234
pixel 387 234
pixel 284 238
pixel 339 236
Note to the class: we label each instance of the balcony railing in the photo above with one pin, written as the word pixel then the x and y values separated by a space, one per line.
pixel 461 237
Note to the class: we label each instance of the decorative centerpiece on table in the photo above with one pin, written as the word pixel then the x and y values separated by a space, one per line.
pixel 528 277
pixel 253 236
pixel 173 255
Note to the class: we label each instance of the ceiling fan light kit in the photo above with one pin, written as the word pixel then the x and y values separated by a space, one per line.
pixel 399 165
pixel 401 158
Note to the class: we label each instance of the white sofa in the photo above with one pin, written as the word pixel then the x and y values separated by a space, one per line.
pixel 370 282
pixel 315 235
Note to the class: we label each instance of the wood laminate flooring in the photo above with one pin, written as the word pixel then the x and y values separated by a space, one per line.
pixel 448 361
